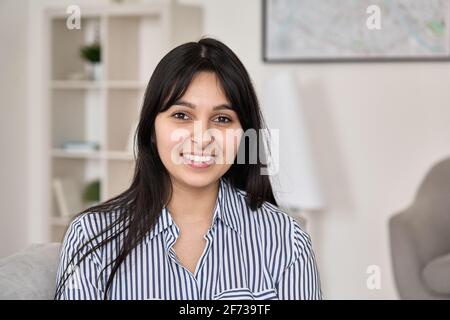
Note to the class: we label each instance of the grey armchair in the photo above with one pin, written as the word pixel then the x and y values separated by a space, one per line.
pixel 30 274
pixel 420 239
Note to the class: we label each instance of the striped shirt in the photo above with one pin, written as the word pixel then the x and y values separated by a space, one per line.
pixel 249 254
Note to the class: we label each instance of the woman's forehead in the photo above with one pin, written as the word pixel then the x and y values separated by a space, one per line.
pixel 204 91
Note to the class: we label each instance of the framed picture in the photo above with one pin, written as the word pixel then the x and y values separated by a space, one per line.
pixel 356 30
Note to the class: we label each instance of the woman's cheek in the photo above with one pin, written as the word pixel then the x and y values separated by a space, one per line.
pixel 231 144
pixel 166 142
pixel 177 139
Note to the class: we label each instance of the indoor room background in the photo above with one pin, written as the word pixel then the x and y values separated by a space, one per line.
pixel 367 133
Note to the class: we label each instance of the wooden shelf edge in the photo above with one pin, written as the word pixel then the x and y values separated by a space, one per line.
pixel 61 153
pixel 95 85
pixel 119 155
pixel 108 155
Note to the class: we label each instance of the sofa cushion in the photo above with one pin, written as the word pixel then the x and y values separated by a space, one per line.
pixel 31 273
pixel 436 274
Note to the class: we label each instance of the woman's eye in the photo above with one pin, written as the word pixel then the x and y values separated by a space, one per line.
pixel 223 119
pixel 180 115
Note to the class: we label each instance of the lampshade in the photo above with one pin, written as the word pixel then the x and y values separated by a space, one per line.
pixel 296 185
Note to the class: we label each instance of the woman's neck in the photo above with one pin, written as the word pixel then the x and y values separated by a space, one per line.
pixel 190 205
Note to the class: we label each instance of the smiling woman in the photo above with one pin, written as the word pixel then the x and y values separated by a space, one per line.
pixel 200 121
pixel 194 223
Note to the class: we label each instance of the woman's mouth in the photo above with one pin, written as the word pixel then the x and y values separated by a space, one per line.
pixel 198 161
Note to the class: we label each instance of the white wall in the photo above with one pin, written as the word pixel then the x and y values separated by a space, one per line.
pixel 376 129
pixel 13 126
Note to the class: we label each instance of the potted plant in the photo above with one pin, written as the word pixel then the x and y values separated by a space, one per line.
pixel 91 193
pixel 91 53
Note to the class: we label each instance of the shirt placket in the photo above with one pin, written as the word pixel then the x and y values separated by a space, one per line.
pixel 173 233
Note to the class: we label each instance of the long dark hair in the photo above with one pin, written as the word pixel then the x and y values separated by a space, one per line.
pixel 141 204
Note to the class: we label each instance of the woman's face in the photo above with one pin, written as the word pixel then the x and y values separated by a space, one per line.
pixel 198 136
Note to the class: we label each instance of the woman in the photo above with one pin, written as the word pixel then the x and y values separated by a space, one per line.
pixel 196 223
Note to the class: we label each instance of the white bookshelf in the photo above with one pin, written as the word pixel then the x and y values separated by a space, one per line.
pixel 133 39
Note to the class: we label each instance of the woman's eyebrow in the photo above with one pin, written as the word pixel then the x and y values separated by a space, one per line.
pixel 193 106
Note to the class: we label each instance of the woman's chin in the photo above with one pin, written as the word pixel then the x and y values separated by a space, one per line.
pixel 195 179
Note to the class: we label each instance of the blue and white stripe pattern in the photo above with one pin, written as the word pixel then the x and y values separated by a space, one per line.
pixel 261 254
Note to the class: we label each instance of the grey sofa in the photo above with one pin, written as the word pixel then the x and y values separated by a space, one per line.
pixel 420 239
pixel 30 274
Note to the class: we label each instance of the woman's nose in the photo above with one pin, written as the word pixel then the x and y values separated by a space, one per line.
pixel 202 134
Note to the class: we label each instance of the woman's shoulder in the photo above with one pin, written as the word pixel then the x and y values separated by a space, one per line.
pixel 270 213
pixel 91 225
pixel 94 219
pixel 279 230
pixel 284 222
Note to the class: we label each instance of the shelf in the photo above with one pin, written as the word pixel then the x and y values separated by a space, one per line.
pixel 70 84
pixel 61 153
pixel 69 180
pixel 120 174
pixel 109 155
pixel 143 39
pixel 133 39
pixel 75 116
pixel 65 46
pixel 120 155
pixel 94 85
pixel 112 10
pixel 123 107
pixel 125 84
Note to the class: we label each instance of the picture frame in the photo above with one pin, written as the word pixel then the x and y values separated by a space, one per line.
pixel 284 22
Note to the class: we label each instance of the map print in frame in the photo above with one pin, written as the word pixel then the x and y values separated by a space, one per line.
pixel 337 30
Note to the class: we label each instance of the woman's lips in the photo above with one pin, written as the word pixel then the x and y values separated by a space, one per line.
pixel 198 161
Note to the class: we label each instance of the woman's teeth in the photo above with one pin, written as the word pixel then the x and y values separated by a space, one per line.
pixel 196 158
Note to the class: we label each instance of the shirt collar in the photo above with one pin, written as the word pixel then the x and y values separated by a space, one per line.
pixel 226 209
